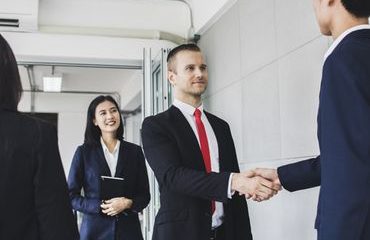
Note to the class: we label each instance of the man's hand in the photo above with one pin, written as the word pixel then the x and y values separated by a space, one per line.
pixel 252 185
pixel 270 174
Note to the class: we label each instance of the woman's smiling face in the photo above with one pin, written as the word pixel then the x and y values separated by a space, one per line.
pixel 107 117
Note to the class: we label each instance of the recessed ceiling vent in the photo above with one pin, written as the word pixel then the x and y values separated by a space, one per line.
pixel 8 22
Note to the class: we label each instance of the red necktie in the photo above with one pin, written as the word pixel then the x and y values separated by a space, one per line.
pixel 204 145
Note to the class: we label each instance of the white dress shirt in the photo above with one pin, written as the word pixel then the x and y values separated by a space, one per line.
pixel 343 35
pixel 111 157
pixel 188 111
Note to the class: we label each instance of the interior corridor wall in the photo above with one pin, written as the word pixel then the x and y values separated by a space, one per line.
pixel 71 109
pixel 265 60
pixel 132 128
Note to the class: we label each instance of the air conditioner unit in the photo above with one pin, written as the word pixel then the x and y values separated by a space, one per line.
pixel 19 15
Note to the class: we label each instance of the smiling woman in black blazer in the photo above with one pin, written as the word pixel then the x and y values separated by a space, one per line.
pixel 105 153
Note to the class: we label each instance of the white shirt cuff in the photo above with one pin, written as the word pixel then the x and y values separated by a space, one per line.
pixel 229 192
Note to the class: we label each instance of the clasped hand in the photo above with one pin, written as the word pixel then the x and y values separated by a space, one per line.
pixel 259 184
pixel 115 206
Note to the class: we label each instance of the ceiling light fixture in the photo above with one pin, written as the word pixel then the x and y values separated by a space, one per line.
pixel 53 82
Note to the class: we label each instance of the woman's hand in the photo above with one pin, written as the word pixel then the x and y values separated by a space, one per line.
pixel 115 206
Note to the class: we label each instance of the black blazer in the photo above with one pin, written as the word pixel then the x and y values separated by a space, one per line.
pixel 88 165
pixel 34 201
pixel 343 167
pixel 173 153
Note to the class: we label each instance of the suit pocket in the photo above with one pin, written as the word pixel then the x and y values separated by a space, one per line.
pixel 167 216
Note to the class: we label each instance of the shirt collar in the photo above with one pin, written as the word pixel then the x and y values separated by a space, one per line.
pixel 105 148
pixel 342 36
pixel 186 108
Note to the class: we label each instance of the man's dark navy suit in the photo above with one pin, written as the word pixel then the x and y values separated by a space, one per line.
pixel 173 153
pixel 343 167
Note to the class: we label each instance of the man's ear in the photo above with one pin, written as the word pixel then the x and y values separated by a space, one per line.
pixel 171 77
pixel 331 2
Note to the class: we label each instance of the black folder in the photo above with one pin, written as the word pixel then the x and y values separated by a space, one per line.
pixel 111 187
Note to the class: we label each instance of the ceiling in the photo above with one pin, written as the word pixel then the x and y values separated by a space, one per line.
pixel 82 78
pixel 155 19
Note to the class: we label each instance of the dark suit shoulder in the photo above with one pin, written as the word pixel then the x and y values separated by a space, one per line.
pixel 216 121
pixel 31 129
pixel 362 36
pixel 130 145
pixel 40 126
pixel 21 120
pixel 215 118
pixel 357 42
pixel 349 59
pixel 160 120
pixel 165 115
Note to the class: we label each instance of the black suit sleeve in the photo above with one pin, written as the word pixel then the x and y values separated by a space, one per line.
pixel 75 184
pixel 164 157
pixel 142 197
pixel 53 208
pixel 300 175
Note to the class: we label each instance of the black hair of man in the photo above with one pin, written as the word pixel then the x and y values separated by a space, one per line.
pixel 184 47
pixel 10 81
pixel 358 8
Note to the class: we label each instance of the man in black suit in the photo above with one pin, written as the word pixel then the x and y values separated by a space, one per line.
pixel 343 167
pixel 193 158
pixel 34 202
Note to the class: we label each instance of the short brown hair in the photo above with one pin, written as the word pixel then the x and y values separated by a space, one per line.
pixel 184 47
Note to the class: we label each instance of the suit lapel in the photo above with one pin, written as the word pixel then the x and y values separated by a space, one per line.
pixel 122 160
pixel 103 165
pixel 184 130
pixel 220 138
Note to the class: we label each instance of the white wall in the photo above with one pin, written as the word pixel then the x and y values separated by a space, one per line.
pixel 265 59
pixel 132 129
pixel 71 109
pixel 206 13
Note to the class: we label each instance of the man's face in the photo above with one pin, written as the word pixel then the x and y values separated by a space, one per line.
pixel 323 10
pixel 188 75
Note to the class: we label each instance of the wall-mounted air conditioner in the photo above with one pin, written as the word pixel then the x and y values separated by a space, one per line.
pixel 19 15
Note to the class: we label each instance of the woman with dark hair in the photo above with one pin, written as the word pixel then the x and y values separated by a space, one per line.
pixel 10 81
pixel 105 153
pixel 34 200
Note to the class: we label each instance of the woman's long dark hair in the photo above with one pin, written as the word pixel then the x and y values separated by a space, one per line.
pixel 92 132
pixel 10 81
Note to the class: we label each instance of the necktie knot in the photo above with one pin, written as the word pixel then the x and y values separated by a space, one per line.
pixel 197 113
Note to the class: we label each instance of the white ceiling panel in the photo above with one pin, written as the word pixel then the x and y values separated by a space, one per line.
pixel 82 79
pixel 100 17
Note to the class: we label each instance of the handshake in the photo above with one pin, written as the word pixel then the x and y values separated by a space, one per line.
pixel 259 184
